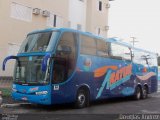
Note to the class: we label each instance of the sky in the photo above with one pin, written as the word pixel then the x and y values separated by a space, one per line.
pixel 136 18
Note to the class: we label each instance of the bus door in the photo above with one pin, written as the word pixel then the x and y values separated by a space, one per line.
pixel 120 83
pixel 64 63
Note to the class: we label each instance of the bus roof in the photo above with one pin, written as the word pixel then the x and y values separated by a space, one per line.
pixel 67 29
pixel 114 40
pixel 111 40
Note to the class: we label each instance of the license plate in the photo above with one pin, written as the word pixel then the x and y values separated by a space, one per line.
pixel 24 98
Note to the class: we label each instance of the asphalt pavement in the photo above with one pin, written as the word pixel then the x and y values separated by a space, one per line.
pixel 108 106
pixel 105 109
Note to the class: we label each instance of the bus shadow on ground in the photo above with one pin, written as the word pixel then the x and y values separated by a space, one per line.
pixel 61 107
pixel 117 100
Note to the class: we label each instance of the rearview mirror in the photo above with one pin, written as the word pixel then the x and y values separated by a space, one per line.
pixel 6 59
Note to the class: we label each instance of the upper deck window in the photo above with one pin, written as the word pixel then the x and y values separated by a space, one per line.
pixel 120 52
pixel 140 57
pixel 88 45
pixel 145 58
pixel 38 42
pixel 94 46
pixel 102 48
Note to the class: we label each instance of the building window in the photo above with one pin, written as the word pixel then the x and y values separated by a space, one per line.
pixel 100 5
pixel 98 31
pixel 79 27
pixel 54 21
pixel 21 12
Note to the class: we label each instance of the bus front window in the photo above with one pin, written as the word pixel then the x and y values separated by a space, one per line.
pixel 38 42
pixel 28 71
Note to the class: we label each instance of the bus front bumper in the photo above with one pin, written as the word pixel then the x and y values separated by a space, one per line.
pixel 36 99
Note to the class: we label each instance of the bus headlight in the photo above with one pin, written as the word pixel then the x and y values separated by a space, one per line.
pixel 42 93
pixel 14 90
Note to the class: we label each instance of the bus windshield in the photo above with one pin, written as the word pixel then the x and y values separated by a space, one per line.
pixel 28 71
pixel 38 42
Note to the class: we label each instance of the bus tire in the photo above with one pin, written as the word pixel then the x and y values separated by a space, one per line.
pixel 144 92
pixel 82 99
pixel 138 93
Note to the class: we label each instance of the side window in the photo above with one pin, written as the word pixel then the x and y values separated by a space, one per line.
pixel 88 45
pixel 120 52
pixel 140 58
pixel 152 60
pixel 65 58
pixel 102 48
pixel 126 53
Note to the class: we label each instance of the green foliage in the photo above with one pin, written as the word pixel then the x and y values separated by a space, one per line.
pixel 6 92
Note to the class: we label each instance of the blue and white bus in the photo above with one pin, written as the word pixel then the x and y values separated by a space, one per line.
pixel 56 66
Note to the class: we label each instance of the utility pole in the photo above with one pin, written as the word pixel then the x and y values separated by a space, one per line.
pixel 133 41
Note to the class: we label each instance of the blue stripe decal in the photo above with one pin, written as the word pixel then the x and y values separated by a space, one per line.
pixel 104 83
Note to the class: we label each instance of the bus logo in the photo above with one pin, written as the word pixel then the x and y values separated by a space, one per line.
pixel 114 79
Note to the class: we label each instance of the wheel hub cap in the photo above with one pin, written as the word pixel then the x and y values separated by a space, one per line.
pixel 81 99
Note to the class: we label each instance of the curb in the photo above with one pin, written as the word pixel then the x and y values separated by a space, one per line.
pixel 13 105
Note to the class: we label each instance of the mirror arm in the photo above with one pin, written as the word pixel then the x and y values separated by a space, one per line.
pixel 6 59
pixel 45 60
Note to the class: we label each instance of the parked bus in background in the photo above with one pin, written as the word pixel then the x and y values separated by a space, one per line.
pixel 56 66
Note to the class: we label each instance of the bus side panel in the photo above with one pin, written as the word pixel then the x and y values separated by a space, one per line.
pixel 148 77
pixel 96 73
pixel 154 84
pixel 64 92
pixel 85 79
pixel 154 80
pixel 102 69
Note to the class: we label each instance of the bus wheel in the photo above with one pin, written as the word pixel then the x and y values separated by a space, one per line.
pixel 138 93
pixel 82 99
pixel 144 93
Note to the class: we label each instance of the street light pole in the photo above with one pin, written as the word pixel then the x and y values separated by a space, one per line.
pixel 133 41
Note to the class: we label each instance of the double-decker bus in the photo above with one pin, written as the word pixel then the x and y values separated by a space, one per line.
pixel 56 66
